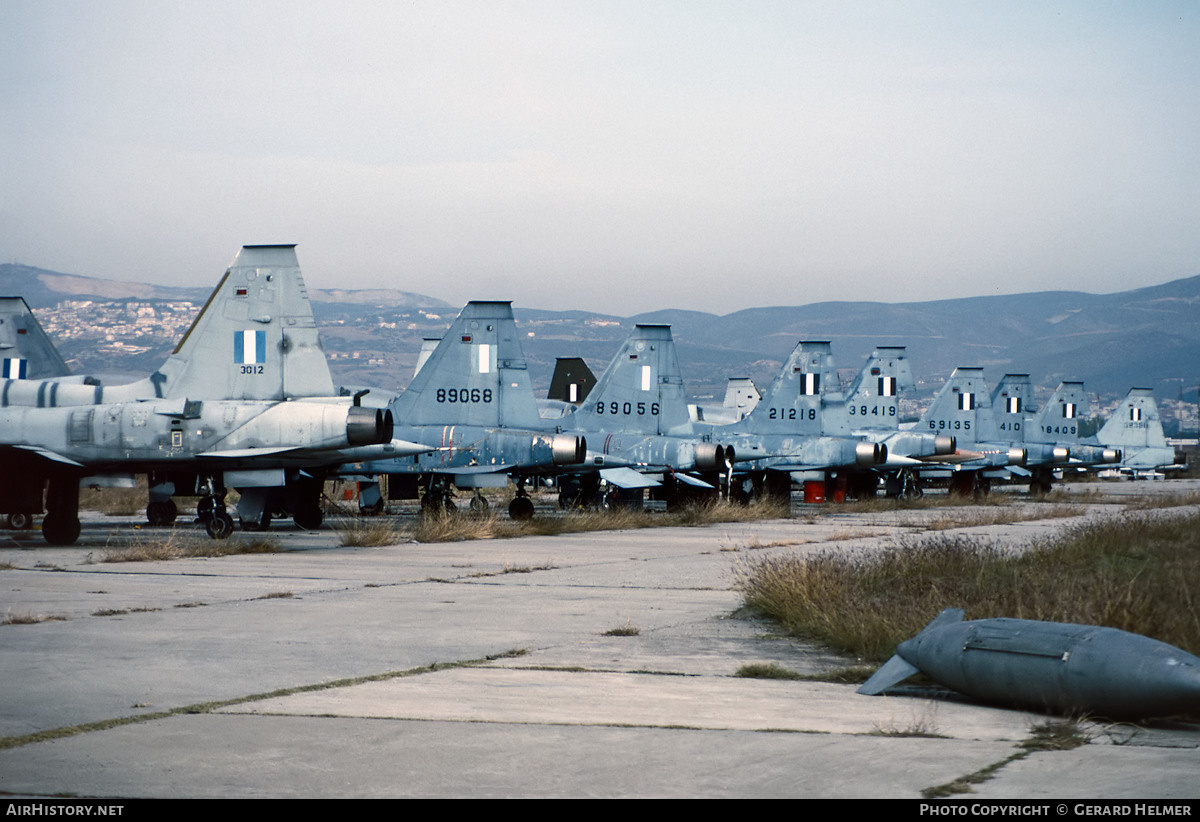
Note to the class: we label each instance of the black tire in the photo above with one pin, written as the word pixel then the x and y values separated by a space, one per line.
pixel 520 509
pixel 60 530
pixel 479 505
pixel 20 521
pixel 163 512
pixel 220 525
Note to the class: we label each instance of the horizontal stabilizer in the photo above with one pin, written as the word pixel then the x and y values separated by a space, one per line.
pixel 50 455
pixel 627 478
pixel 692 481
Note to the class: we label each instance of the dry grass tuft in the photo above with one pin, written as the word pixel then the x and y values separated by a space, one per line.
pixel 766 670
pixel 177 545
pixel 999 516
pixel 11 618
pixel 454 528
pixel 1136 573
pixel 367 532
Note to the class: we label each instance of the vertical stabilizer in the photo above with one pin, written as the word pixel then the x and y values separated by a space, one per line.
pixel 1135 428
pixel 641 391
pixel 1059 421
pixel 741 396
pixel 477 375
pixel 1011 402
pixel 873 400
pixel 572 380
pixel 804 398
pixel 962 409
pixel 255 339
pixel 26 353
pixel 1135 423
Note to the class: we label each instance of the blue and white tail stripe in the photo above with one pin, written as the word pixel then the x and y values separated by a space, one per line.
pixel 250 347
pixel 14 368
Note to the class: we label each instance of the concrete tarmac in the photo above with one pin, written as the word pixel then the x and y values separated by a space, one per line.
pixel 599 664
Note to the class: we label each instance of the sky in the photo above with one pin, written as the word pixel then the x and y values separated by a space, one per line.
pixel 609 155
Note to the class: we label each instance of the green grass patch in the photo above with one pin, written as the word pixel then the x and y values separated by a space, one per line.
pixel 1136 573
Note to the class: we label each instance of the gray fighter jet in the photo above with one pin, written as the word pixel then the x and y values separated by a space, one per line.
pixel 963 409
pixel 245 401
pixel 1136 429
pixel 1053 440
pixel 472 399
pixel 1048 666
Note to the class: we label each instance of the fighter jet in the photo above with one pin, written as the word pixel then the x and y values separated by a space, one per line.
pixel 963 409
pixel 637 419
pixel 1048 666
pixel 473 400
pixel 782 437
pixel 873 407
pixel 245 401
pixel 1136 429
pixel 1053 439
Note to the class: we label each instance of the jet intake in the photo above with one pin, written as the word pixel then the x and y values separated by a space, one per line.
pixel 943 445
pixel 566 449
pixel 369 426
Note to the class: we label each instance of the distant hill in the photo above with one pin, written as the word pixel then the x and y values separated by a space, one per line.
pixel 1147 337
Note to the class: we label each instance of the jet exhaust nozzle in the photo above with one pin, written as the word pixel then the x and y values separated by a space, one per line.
pixel 710 457
pixel 1061 454
pixel 870 453
pixel 369 426
pixel 1017 456
pixel 1111 455
pixel 943 445
pixel 566 449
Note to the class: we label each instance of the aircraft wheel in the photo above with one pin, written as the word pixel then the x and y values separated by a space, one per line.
pixel 162 512
pixel 20 521
pixel 60 530
pixel 479 505
pixel 309 519
pixel 220 525
pixel 521 509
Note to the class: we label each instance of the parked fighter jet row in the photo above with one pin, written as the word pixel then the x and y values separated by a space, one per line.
pixel 247 401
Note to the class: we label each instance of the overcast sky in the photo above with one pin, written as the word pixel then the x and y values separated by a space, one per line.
pixel 609 155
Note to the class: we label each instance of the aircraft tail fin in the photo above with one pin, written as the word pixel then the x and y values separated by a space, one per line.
pixel 572 380
pixel 1135 424
pixel 255 339
pixel 26 353
pixel 873 399
pixel 1011 401
pixel 804 398
pixel 477 375
pixel 1059 421
pixel 641 391
pixel 962 409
